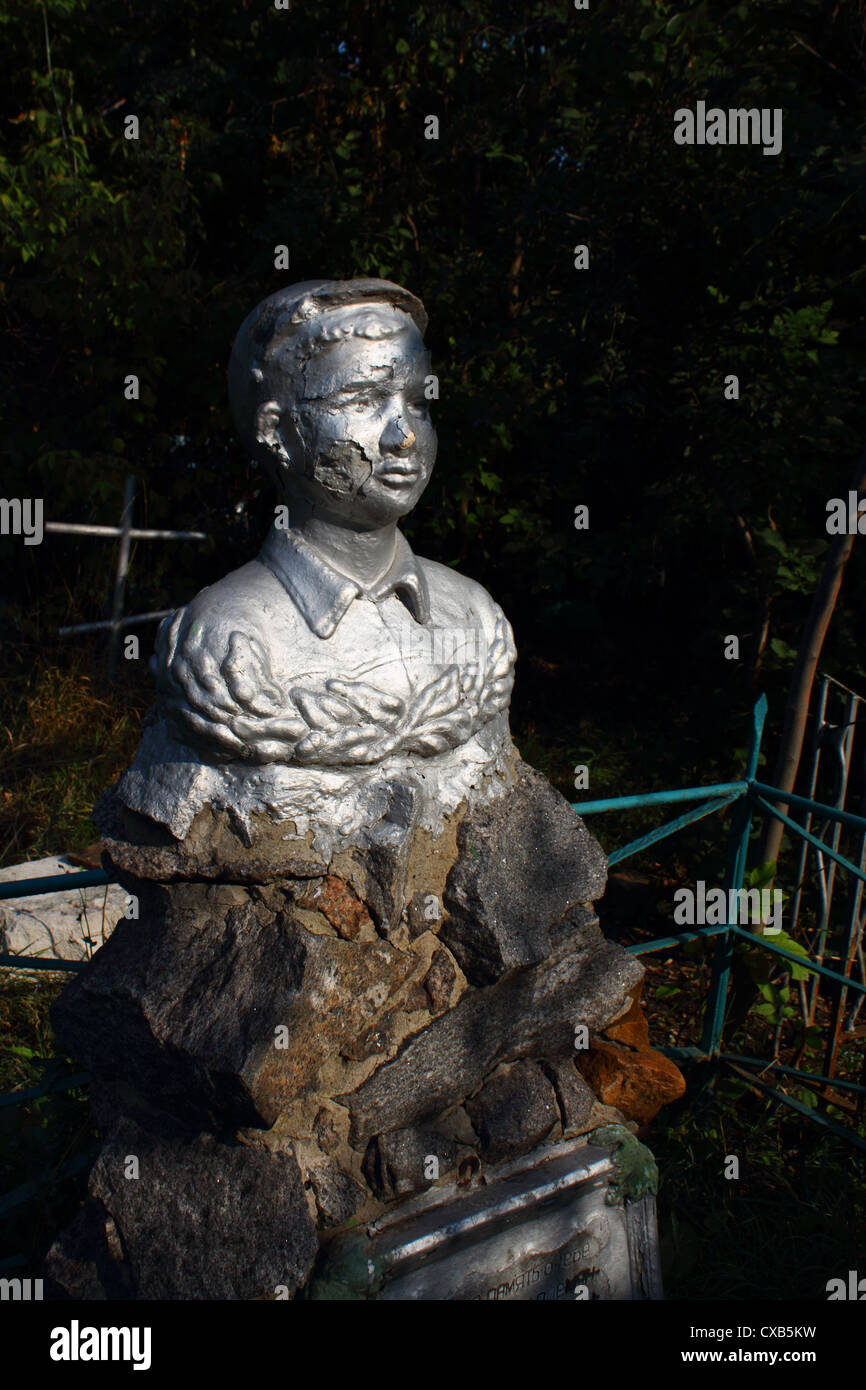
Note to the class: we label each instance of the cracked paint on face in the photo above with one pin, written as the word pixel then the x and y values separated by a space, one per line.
pixel 361 439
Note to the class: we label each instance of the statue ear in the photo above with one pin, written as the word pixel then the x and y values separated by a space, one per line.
pixel 267 432
pixel 267 424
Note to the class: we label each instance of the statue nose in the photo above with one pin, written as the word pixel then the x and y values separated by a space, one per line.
pixel 397 437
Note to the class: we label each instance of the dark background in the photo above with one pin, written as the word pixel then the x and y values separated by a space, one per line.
pixel 558 387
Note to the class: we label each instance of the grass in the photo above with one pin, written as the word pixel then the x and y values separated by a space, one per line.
pixel 65 735
pixel 794 1217
pixel 39 1137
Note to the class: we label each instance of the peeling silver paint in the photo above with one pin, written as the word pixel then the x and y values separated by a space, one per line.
pixel 296 686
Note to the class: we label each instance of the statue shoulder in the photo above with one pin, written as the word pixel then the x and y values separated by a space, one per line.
pixel 238 598
pixel 458 590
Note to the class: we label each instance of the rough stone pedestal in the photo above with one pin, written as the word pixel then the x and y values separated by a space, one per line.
pixel 284 1043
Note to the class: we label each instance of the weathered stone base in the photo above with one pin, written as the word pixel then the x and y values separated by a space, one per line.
pixel 280 1045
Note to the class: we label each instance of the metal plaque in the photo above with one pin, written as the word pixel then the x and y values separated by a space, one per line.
pixel 542 1228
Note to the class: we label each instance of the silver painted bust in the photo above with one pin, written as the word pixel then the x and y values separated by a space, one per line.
pixel 304 684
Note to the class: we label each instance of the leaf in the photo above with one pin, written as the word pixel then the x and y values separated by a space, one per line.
pixel 323 711
pixel 782 649
pixel 760 876
pixel 491 481
pixel 765 1011
pixel 375 705
pixel 436 699
pixel 759 965
pixel 788 943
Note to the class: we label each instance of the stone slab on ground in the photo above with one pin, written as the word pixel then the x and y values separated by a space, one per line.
pixel 569 1221
pixel 67 925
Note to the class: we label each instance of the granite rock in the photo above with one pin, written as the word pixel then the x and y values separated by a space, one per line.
pixel 325 1130
pixel 423 913
pixel 337 902
pixel 214 848
pixel 524 861
pixel 398 1163
pixel 625 1071
pixel 529 1013
pixel 85 1261
pixel 385 857
pixel 514 1111
pixel 337 1194
pixel 187 1009
pixel 573 1095
pixel 633 1028
pixel 440 980
pixel 201 1221
pixel 637 1083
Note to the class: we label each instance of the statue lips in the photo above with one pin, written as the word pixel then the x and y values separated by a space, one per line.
pixel 399 474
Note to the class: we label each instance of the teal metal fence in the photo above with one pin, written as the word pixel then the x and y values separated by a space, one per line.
pixel 52 883
pixel 746 797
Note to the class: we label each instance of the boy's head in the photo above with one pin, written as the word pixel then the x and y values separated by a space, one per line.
pixel 326 383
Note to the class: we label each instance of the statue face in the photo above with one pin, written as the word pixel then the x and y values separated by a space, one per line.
pixel 360 437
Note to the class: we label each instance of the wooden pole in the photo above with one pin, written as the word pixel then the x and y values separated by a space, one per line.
pixel 803 675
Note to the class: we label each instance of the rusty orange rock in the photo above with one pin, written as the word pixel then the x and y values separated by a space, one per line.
pixel 338 904
pixel 632 1029
pixel 637 1082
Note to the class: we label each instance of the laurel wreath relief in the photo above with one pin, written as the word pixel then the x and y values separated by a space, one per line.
pixel 238 711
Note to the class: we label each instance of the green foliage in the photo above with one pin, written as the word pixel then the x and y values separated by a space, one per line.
pixel 791 1221
pixel 760 876
pixel 62 740
pixel 39 1137
pixel 770 974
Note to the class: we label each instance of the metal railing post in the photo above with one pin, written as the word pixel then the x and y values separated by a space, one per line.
pixel 738 849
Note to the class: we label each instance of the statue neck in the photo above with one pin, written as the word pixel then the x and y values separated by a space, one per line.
pixel 361 555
